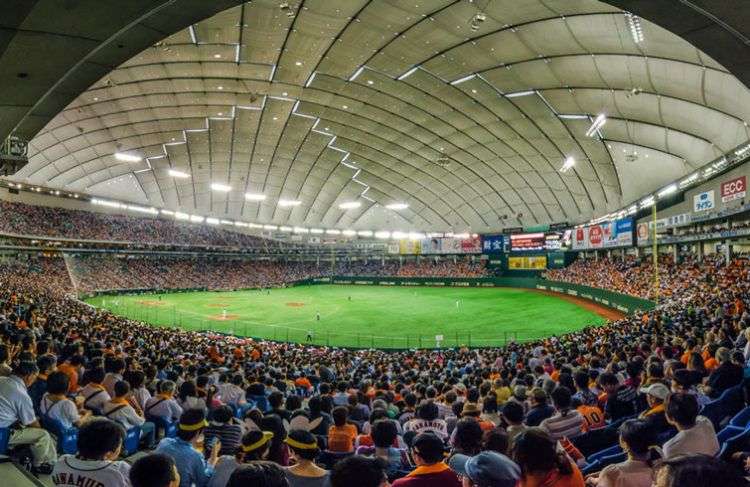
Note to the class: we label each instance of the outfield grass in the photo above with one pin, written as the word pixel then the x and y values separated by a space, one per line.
pixel 376 316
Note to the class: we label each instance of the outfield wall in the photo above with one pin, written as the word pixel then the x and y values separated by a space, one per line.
pixel 620 302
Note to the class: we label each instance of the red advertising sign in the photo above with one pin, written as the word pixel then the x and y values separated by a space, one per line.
pixel 733 189
pixel 595 235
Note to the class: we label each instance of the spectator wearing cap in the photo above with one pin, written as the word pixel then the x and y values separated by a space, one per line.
pixel 566 422
pixel 655 416
pixel 428 452
pixel 728 374
pixel 539 410
pixel 193 469
pixel 488 469
pixel 471 410
pixel 695 434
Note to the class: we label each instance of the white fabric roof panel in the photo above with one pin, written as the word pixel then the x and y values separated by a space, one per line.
pixel 260 98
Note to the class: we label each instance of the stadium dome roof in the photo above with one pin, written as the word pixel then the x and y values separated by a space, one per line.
pixel 465 111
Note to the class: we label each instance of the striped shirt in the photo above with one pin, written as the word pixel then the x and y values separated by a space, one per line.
pixel 567 426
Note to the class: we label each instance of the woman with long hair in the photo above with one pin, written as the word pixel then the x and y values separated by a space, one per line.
pixel 542 465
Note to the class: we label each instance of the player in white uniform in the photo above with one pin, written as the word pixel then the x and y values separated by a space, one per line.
pixel 99 445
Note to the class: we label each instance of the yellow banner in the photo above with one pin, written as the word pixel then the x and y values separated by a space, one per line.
pixel 534 262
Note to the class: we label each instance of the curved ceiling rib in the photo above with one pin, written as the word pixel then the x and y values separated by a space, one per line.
pixel 473 138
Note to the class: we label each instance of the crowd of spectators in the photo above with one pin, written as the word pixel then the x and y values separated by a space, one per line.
pixel 635 276
pixel 278 414
pixel 98 273
pixel 43 221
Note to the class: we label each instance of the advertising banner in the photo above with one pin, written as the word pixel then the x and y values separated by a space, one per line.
pixel 704 201
pixel 493 244
pixel 617 233
pixel 733 189
pixel 532 262
pixel 408 247
pixel 448 245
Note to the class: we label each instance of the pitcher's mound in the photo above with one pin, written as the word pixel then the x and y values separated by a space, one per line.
pixel 223 318
pixel 151 303
pixel 295 304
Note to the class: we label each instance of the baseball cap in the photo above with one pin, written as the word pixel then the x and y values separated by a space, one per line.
pixel 470 409
pixel 488 469
pixel 658 390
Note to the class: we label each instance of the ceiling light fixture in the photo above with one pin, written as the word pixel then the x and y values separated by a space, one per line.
pixel 397 206
pixel 121 156
pixel 634 22
pixel 568 164
pixel 461 80
pixel 178 174
pixel 672 188
pixel 356 73
pixel 287 203
pixel 221 187
pixel 408 73
pixel 349 233
pixel 350 205
pixel 333 232
pixel 520 93
pixel 255 197
pixel 597 124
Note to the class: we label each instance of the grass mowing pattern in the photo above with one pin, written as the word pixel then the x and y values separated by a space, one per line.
pixel 376 316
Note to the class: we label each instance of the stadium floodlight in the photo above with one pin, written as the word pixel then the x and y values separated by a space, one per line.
pixel 462 236
pixel 221 187
pixel 287 203
pixel 212 221
pixel 196 218
pixel 178 174
pixel 349 233
pixel 633 209
pixel 255 197
pixel 597 124
pixel 241 224
pixel 365 233
pixel 316 231
pixel 143 209
pixel 301 230
pixel 397 206
pixel 109 204
pixel 416 236
pixel 167 212
pixel 648 201
pixel 333 232
pixel 286 229
pixel 672 188
pixel 350 205
pixel 226 222
pixel 181 216
pixel 568 164
pixel 254 225
pixel 399 235
pixel 121 156
pixel 383 235
pixel 270 227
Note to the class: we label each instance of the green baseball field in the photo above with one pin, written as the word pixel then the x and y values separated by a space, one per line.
pixel 365 316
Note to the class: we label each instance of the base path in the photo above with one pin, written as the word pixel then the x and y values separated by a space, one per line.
pixel 223 317
pixel 603 311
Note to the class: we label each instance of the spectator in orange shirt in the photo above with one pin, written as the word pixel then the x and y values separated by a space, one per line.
pixel 70 368
pixel 341 435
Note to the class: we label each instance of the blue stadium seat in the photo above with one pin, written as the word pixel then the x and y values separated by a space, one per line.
pixel 67 438
pixel 727 405
pixel 4 439
pixel 728 432
pixel 131 442
pixel 734 444
pixel 613 450
pixel 741 419
pixel 261 402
